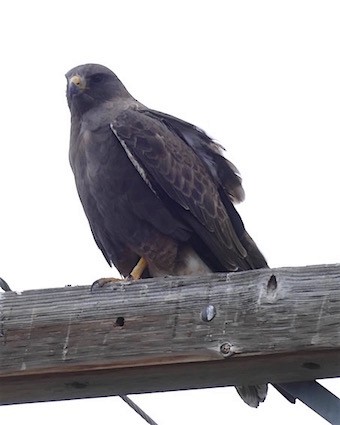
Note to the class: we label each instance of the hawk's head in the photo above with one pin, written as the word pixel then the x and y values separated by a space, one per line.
pixel 91 85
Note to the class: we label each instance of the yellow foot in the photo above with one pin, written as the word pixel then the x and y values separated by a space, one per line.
pixel 135 274
pixel 100 283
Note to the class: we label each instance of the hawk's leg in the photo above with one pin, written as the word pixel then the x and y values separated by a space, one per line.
pixel 139 268
pixel 136 273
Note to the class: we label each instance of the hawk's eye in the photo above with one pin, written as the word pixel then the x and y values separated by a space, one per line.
pixel 97 78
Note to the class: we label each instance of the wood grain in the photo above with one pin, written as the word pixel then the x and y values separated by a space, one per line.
pixel 270 325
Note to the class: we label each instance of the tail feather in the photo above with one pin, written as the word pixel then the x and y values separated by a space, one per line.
pixel 253 395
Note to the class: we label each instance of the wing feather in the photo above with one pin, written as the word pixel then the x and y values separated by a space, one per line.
pixel 176 172
pixel 224 171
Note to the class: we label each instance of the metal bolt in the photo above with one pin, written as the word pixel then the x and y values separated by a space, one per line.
pixel 226 349
pixel 208 313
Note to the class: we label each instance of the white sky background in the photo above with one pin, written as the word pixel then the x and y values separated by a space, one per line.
pixel 261 77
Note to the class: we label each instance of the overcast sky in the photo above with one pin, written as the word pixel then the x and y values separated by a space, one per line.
pixel 261 77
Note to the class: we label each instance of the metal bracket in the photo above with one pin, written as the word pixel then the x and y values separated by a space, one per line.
pixel 315 396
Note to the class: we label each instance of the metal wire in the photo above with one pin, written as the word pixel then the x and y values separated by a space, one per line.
pixel 138 410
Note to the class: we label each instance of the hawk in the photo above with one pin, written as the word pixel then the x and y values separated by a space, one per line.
pixel 157 191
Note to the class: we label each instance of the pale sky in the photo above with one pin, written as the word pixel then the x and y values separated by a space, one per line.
pixel 261 77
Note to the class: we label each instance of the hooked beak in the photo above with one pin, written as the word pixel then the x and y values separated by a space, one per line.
pixel 76 84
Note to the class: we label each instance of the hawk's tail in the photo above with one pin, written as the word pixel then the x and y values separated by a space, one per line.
pixel 253 395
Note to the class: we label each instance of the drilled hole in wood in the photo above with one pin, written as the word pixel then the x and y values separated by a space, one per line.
pixel 272 284
pixel 311 365
pixel 120 321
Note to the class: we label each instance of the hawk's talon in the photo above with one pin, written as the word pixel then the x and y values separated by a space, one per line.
pixel 135 274
pixel 100 283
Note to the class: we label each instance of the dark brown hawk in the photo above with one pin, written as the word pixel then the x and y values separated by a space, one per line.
pixel 156 190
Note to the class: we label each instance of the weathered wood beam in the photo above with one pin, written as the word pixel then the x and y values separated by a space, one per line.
pixel 275 325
